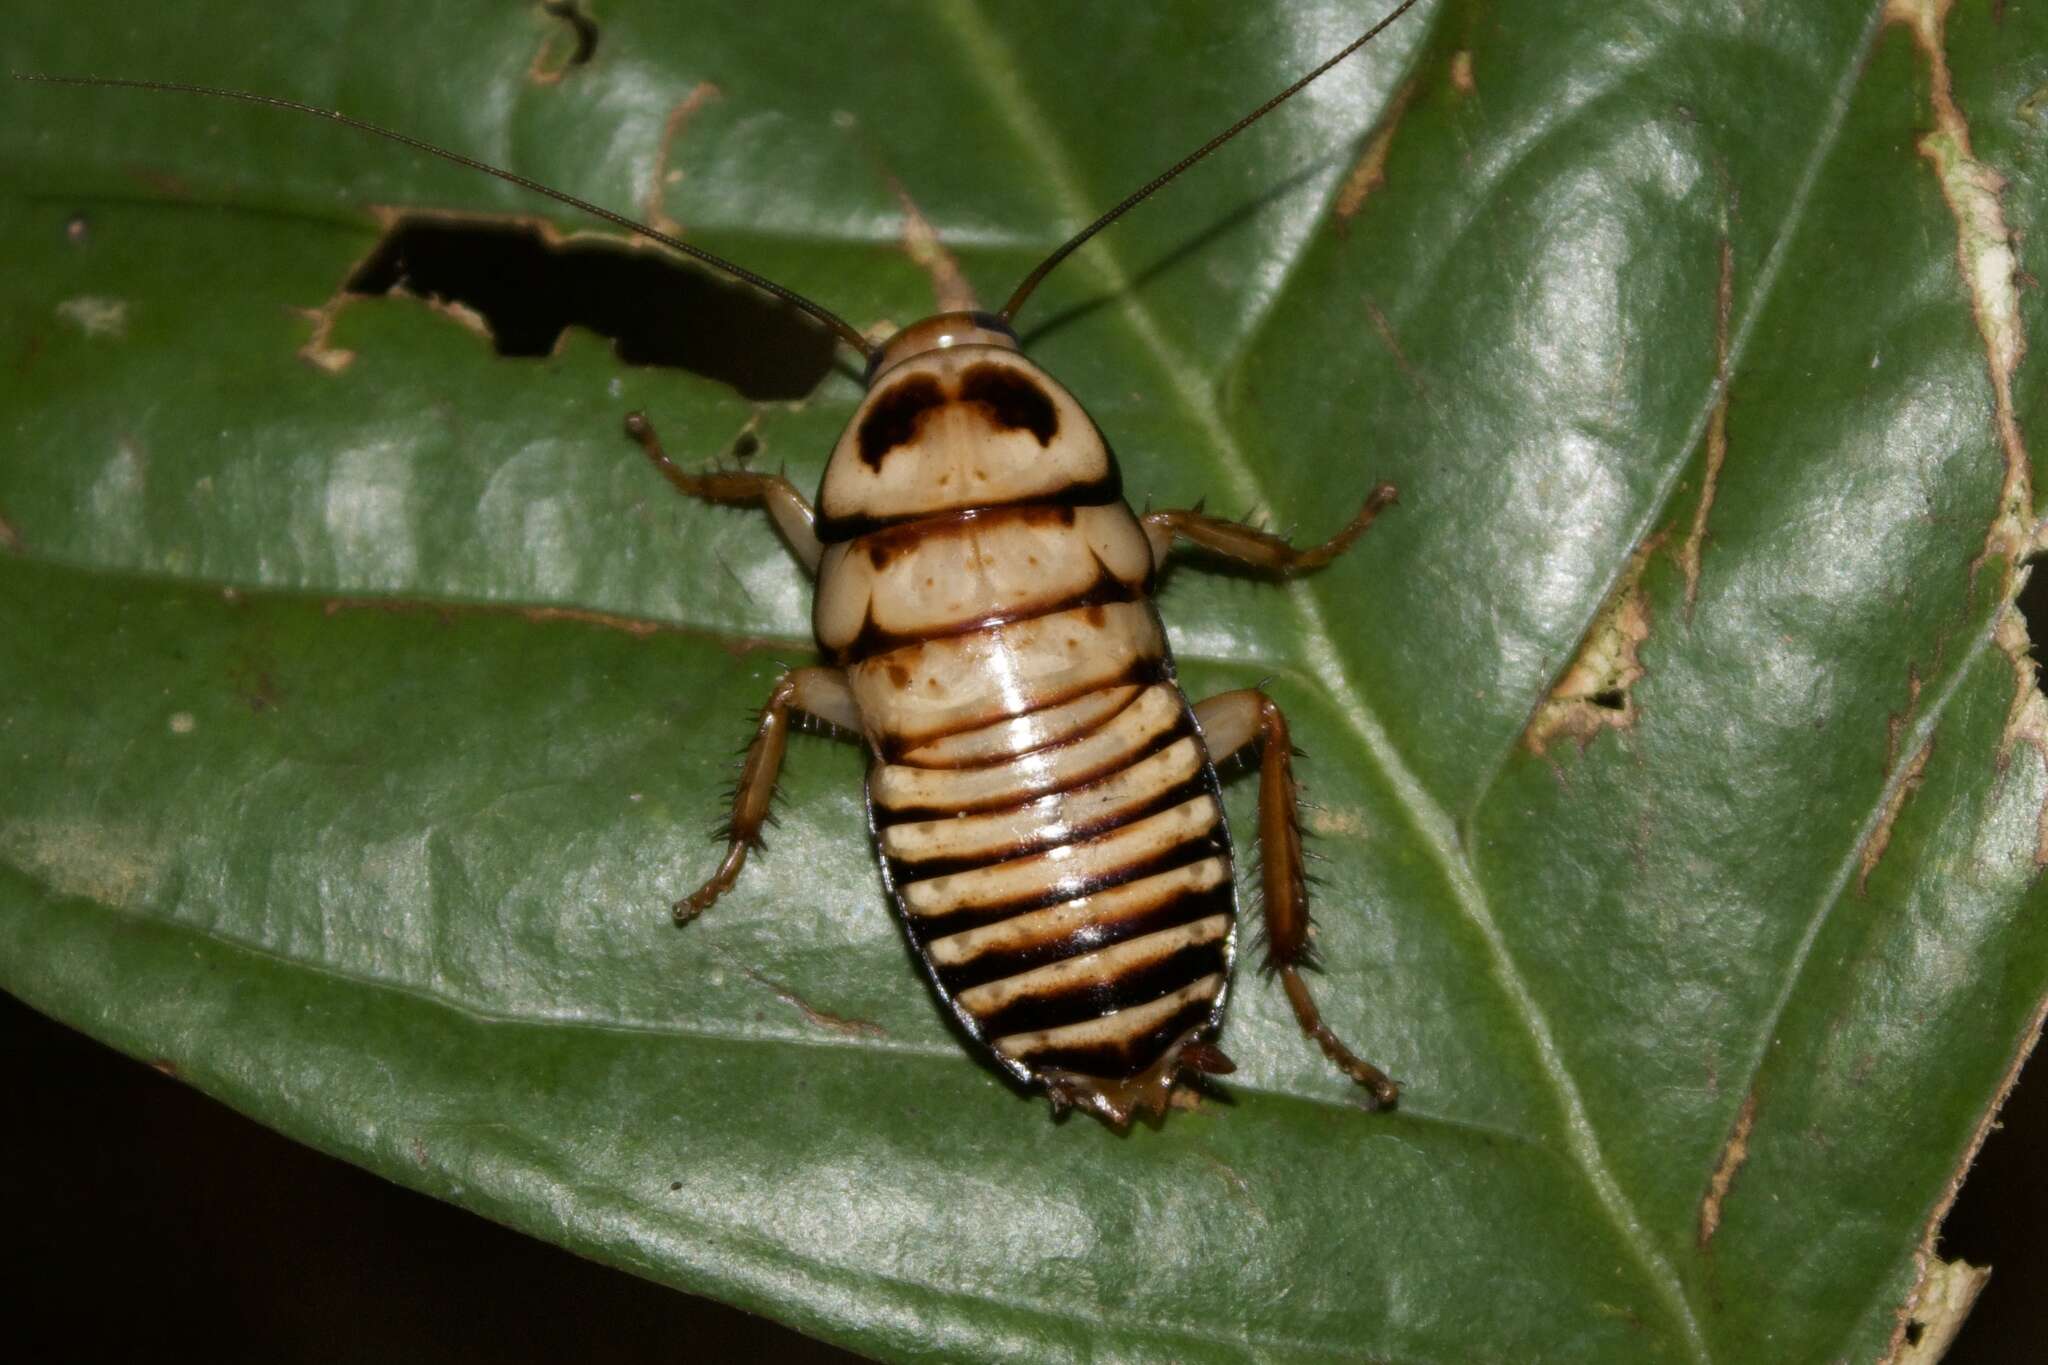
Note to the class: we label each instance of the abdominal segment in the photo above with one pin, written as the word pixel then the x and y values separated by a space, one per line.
pixel 1068 883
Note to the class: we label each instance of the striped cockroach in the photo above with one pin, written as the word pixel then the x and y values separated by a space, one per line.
pixel 1043 799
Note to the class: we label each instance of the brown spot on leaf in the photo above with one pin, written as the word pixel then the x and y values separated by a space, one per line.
pixel 1595 692
pixel 1902 790
pixel 1461 72
pixel 1990 276
pixel 659 176
pixel 1371 170
pixel 950 290
pixel 319 350
pixel 1896 724
pixel 632 625
pixel 836 1023
pixel 1393 343
pixel 1733 1153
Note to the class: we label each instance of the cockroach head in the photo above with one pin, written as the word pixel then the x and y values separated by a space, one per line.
pixel 937 333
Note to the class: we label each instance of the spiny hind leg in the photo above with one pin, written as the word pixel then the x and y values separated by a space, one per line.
pixel 820 692
pixel 1251 546
pixel 1230 721
pixel 793 515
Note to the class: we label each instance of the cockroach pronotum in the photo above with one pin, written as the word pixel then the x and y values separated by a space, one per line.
pixel 1043 799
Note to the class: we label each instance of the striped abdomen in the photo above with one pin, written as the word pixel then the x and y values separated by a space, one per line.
pixel 1072 901
pixel 1046 813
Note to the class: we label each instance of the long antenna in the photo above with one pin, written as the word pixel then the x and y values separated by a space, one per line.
pixel 845 329
pixel 1145 191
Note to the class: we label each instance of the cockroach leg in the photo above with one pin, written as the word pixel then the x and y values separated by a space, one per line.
pixel 1230 721
pixel 820 692
pixel 793 514
pixel 1252 546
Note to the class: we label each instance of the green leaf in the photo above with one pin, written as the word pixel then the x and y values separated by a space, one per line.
pixel 1674 742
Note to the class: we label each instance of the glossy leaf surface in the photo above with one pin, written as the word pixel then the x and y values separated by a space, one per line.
pixel 366 695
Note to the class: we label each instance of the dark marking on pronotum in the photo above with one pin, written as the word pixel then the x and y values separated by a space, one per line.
pixel 1012 401
pixel 894 418
pixel 1007 399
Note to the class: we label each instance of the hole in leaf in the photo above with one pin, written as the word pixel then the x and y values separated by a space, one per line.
pixel 1913 1332
pixel 656 309
pixel 1996 1221
pixel 2033 600
pixel 1611 699
pixel 584 27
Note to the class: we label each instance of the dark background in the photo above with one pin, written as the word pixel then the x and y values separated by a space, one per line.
pixel 146 1219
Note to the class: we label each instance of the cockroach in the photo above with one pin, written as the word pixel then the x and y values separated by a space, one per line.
pixel 1043 799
